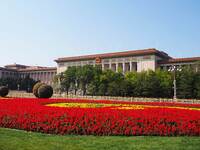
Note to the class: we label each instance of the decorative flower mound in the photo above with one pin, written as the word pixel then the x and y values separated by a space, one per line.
pixel 85 117
pixel 4 91
pixel 42 90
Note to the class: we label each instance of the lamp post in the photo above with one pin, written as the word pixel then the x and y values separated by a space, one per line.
pixel 174 68
pixel 174 82
pixel 18 87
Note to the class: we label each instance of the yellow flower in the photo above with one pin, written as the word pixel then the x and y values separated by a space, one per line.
pixel 114 106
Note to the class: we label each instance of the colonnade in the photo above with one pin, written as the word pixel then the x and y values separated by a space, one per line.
pixel 45 77
pixel 125 66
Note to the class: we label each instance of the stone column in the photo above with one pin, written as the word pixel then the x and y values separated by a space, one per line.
pixel 49 77
pixel 196 67
pixel 116 66
pixel 45 77
pixel 102 66
pixel 130 64
pixel 33 76
pixel 40 76
pixel 36 76
pixel 123 67
pixel 110 65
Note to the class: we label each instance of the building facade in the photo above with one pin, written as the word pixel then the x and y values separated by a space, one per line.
pixel 127 61
pixel 135 60
pixel 193 62
pixel 43 74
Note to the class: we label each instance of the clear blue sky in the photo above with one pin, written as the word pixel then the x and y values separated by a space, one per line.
pixel 37 32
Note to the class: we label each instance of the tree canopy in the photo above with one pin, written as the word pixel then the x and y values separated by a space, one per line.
pixel 90 80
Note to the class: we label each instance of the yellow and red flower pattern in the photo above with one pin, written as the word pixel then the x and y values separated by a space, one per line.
pixel 95 117
pixel 115 106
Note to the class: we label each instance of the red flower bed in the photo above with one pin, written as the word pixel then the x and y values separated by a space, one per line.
pixel 33 115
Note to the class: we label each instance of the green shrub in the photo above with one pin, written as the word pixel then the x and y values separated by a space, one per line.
pixel 4 91
pixel 36 87
pixel 45 91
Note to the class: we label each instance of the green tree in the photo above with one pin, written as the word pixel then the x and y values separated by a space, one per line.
pixel 150 83
pixel 185 82
pixel 131 82
pixel 116 85
pixel 93 87
pixel 110 83
pixel 165 83
pixel 71 75
pixel 196 90
pixel 92 80
pixel 65 84
pixel 85 76
pixel 27 84
pixel 141 88
pixel 105 78
pixel 62 81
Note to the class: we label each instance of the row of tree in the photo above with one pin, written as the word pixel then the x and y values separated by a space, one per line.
pixel 93 81
pixel 25 84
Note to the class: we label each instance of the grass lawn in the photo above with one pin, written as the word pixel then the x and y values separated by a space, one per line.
pixel 11 139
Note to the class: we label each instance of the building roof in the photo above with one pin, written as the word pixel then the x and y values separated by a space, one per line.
pixel 7 69
pixel 38 69
pixel 180 60
pixel 24 68
pixel 16 66
pixel 116 54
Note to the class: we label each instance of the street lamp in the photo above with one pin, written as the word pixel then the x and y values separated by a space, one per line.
pixel 18 87
pixel 174 68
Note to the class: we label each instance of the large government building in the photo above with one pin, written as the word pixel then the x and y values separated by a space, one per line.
pixel 134 60
pixel 44 74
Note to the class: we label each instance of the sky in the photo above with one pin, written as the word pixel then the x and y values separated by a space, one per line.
pixel 36 32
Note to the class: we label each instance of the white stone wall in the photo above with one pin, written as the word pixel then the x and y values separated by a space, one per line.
pixel 145 65
pixel 61 69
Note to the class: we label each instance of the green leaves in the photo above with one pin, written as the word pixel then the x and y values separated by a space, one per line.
pixel 159 84
pixel 185 83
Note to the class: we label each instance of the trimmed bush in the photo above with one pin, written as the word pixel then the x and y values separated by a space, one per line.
pixel 45 91
pixel 4 91
pixel 36 87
